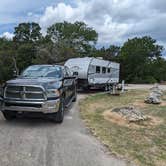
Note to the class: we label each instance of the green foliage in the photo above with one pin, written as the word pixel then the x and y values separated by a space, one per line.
pixel 6 59
pixel 27 32
pixel 17 54
pixel 25 54
pixel 137 57
pixel 144 79
pixel 158 69
pixel 110 53
pixel 27 38
pixel 73 35
pixel 52 53
pixel 140 58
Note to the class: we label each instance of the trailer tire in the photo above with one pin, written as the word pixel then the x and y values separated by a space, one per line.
pixel 106 88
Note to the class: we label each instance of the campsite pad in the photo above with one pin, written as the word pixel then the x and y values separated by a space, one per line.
pixel 122 120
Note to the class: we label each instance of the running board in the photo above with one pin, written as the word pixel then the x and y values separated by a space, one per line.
pixel 69 103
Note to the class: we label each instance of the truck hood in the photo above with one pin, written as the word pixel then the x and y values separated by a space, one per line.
pixel 45 82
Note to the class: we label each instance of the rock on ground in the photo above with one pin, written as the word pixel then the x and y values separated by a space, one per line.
pixel 130 113
pixel 154 96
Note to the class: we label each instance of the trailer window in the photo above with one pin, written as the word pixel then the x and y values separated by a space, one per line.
pixel 103 69
pixel 108 70
pixel 75 73
pixel 97 69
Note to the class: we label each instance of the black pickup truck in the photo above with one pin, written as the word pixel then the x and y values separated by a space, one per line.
pixel 40 89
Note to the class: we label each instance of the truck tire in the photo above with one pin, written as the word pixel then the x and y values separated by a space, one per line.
pixel 9 115
pixel 59 116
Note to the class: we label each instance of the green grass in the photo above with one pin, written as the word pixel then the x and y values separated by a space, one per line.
pixel 143 145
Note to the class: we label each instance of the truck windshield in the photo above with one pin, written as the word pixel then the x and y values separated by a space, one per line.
pixel 42 71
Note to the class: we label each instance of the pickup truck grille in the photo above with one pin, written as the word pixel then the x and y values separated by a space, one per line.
pixel 24 93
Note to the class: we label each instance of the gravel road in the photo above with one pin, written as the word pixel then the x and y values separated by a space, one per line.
pixel 38 142
pixel 143 86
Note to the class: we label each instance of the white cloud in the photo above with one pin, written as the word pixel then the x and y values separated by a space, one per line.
pixel 15 11
pixel 60 12
pixel 7 35
pixel 114 20
pixel 29 14
pixel 98 18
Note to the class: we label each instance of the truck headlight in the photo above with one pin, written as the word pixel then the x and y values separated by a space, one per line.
pixel 53 93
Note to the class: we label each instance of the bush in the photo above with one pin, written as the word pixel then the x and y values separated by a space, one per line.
pixel 147 80
pixel 150 80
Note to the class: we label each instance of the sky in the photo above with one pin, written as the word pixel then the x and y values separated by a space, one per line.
pixel 114 20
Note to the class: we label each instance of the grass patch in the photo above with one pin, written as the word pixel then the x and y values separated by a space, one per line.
pixel 145 145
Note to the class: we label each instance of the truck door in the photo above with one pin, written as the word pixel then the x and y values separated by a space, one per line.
pixel 68 84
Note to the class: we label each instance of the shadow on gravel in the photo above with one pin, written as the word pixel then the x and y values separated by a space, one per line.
pixel 28 122
pixel 89 91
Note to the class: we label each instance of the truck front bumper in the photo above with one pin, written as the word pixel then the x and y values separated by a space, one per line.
pixel 50 106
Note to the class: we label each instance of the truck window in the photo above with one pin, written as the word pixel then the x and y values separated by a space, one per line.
pixel 103 69
pixel 108 70
pixel 37 71
pixel 56 74
pixel 97 69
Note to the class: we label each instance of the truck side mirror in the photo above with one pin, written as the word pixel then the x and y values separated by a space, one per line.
pixel 15 74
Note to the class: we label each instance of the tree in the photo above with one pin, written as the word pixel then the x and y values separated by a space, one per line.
pixel 76 35
pixel 25 55
pixel 136 57
pixel 109 53
pixel 158 69
pixel 27 32
pixel 27 38
pixel 7 56
pixel 112 52
pixel 52 53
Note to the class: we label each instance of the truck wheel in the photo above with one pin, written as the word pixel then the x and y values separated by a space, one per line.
pixel 9 115
pixel 59 116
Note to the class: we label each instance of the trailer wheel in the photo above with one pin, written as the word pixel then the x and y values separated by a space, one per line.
pixel 106 88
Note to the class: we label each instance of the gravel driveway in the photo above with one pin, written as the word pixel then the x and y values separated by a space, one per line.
pixel 143 86
pixel 38 142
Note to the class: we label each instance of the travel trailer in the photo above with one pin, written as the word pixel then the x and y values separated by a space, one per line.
pixel 94 72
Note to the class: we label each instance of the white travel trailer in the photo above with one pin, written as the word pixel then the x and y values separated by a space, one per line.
pixel 94 72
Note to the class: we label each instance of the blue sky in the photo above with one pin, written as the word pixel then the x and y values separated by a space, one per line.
pixel 114 20
pixel 13 12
